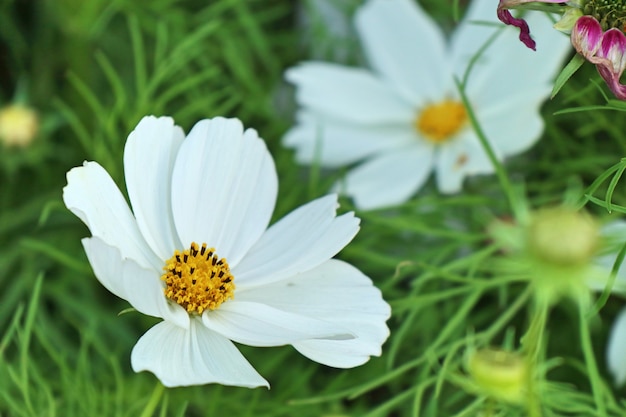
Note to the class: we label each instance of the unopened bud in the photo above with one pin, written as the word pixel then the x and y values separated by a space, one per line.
pixel 499 374
pixel 18 125
pixel 562 236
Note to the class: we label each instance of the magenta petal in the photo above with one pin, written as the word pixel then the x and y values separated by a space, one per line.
pixel 613 48
pixel 612 81
pixel 586 36
pixel 524 32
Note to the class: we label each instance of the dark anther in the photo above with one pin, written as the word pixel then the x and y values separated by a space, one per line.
pixel 213 261
pixel 202 250
pixel 185 257
pixel 222 288
pixel 191 270
pixel 227 280
pixel 221 274
pixel 178 258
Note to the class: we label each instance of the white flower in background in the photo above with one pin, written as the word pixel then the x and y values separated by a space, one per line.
pixel 196 252
pixel 616 349
pixel 404 118
pixel 615 235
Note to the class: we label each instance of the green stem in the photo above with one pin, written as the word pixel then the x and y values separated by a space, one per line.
pixel 590 361
pixel 531 344
pixel 154 400
pixel 501 173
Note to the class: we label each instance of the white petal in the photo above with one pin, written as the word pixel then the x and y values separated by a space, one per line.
pixel 389 179
pixel 405 46
pixel 616 349
pixel 336 143
pixel 507 67
pixel 257 324
pixel 473 31
pixel 460 157
pixel 340 294
pixel 305 238
pixel 196 356
pixel 519 117
pixel 351 94
pixel 148 162
pixel 92 195
pixel 224 187
pixel 614 233
pixel 141 287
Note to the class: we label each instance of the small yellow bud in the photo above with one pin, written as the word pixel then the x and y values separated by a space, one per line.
pixel 499 374
pixel 561 236
pixel 18 125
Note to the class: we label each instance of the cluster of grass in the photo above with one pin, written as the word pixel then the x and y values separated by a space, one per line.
pixel 93 69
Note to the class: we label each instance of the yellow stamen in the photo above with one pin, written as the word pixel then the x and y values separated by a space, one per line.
pixel 438 122
pixel 197 279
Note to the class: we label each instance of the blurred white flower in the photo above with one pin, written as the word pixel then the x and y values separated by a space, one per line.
pixel 404 118
pixel 196 252
pixel 614 234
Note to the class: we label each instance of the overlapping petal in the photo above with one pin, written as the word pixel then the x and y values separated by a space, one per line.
pixel 194 356
pixel 92 195
pixel 406 47
pixel 351 94
pixel 258 324
pixel 339 293
pixel 224 187
pixel 390 178
pixel 462 157
pixel 149 157
pixel 305 238
pixel 141 287
pixel 522 128
pixel 335 143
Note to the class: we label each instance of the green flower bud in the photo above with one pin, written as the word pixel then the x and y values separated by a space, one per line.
pixel 563 237
pixel 18 125
pixel 499 374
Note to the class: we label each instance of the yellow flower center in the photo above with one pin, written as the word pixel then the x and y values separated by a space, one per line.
pixel 438 122
pixel 197 279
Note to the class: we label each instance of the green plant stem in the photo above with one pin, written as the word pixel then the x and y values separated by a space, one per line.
pixel 592 367
pixel 531 344
pixel 501 173
pixel 154 400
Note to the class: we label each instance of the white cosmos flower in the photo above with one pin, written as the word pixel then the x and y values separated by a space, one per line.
pixel 615 236
pixel 261 287
pixel 404 118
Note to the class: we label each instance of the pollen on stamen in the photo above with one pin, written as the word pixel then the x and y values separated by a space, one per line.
pixel 440 121
pixel 197 279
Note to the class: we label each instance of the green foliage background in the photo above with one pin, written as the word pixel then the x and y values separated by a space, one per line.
pixel 93 68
